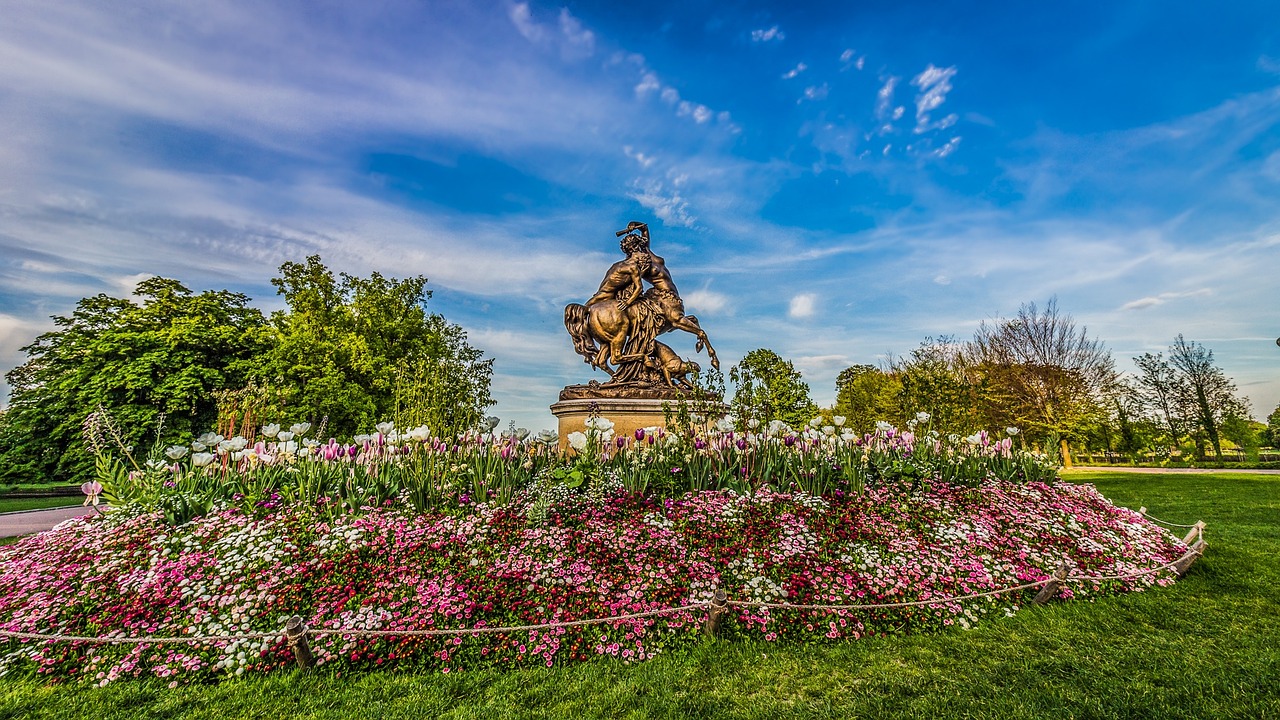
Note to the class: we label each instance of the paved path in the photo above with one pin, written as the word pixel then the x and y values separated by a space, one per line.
pixel 1187 471
pixel 26 522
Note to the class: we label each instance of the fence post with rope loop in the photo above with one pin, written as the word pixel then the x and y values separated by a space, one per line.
pixel 1196 545
pixel 295 631
pixel 719 604
pixel 1051 587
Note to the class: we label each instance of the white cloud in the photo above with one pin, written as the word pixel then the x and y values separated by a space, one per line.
pixel 706 301
pixel 767 35
pixel 934 84
pixel 949 148
pixel 648 84
pixel 884 99
pixel 1162 298
pixel 802 305
pixel 799 68
pixel 816 92
pixel 522 18
pixel 578 41
pixel 669 205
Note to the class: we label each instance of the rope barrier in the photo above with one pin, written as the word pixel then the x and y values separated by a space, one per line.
pixel 1195 550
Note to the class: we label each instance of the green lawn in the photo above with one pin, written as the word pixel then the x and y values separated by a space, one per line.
pixel 1205 648
pixel 8 504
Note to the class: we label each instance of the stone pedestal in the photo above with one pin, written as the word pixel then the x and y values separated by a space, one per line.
pixel 628 415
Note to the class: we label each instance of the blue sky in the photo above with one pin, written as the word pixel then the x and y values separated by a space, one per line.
pixel 835 181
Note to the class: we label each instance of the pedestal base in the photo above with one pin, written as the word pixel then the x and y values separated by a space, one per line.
pixel 627 415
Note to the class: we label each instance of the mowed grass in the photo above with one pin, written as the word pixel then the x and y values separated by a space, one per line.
pixel 8 504
pixel 1204 648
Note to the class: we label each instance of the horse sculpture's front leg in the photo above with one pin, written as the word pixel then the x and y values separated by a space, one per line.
pixel 689 324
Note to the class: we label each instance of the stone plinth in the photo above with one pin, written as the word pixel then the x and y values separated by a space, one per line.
pixel 628 415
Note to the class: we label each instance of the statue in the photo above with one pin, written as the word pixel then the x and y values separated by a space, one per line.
pixel 616 330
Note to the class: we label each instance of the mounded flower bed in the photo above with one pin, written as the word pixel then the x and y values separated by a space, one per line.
pixel 556 552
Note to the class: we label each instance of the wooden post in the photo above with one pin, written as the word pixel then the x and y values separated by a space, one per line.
pixel 719 603
pixel 1049 590
pixel 1196 531
pixel 1183 565
pixel 1142 511
pixel 296 633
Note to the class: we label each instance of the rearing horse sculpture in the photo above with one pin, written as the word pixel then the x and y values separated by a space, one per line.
pixel 621 322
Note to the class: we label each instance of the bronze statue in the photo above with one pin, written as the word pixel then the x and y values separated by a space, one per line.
pixel 620 323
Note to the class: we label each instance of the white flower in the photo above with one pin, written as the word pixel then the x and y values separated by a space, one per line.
pixel 176 452
pixel 300 428
pixel 201 459
pixel 490 423
pixel 883 426
pixel 828 429
pixel 420 433
pixel 724 425
pixel 598 423
pixel 777 427
pixel 238 443
pixel 578 441
pixel 522 433
pixel 815 423
pixel 923 417
pixel 550 437
pixel 385 428
pixel 198 446
pixel 1011 430
pixel 974 439
pixel 839 420
pixel 284 436
pixel 270 430
pixel 209 439
pixel 753 423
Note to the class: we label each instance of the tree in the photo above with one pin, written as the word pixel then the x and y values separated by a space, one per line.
pixel 770 388
pixel 866 394
pixel 1045 374
pixel 937 379
pixel 358 350
pixel 1272 438
pixel 1207 389
pixel 1161 392
pixel 164 354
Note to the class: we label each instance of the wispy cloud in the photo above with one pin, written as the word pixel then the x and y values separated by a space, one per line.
pixel 793 72
pixel 1155 300
pixel 769 34
pixel 934 84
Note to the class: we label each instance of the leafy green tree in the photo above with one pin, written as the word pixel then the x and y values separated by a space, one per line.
pixel 866 394
pixel 1044 374
pixel 770 388
pixel 936 378
pixel 1206 388
pixel 1272 438
pixel 359 351
pixel 165 353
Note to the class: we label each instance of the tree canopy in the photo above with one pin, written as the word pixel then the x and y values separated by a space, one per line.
pixel 165 353
pixel 353 350
pixel 770 388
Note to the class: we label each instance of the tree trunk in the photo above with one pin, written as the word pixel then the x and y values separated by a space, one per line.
pixel 1066 453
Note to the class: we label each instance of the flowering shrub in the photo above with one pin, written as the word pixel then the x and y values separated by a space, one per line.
pixel 551 554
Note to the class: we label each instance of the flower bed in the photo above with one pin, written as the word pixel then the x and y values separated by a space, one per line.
pixel 557 555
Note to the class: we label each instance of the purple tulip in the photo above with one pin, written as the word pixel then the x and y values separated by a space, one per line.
pixel 639 434
pixel 742 444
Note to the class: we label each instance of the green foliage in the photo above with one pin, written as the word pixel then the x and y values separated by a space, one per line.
pixel 770 388
pixel 163 354
pixel 1206 393
pixel 361 350
pixel 865 395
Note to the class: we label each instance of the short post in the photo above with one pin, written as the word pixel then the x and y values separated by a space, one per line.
pixel 296 633
pixel 1142 511
pixel 1194 552
pixel 1051 588
pixel 719 603
pixel 1196 531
